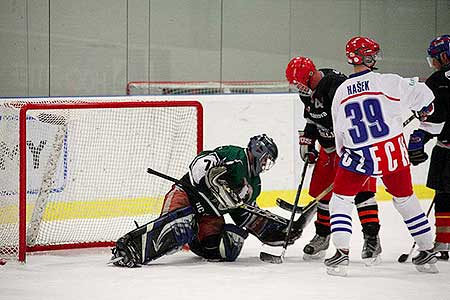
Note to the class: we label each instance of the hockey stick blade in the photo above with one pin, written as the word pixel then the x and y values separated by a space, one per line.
pixel 305 218
pixel 266 257
pixel 308 213
pixel 403 258
pixel 283 204
pixel 271 258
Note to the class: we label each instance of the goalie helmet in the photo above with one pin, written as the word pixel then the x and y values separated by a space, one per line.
pixel 439 45
pixel 362 50
pixel 264 153
pixel 299 72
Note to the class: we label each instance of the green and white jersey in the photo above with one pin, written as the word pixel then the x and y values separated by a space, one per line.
pixel 238 173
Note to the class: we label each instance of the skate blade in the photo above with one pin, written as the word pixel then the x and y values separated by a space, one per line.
pixel 337 271
pixel 372 261
pixel 427 268
pixel 318 256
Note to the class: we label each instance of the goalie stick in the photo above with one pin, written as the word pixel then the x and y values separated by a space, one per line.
pixel 249 208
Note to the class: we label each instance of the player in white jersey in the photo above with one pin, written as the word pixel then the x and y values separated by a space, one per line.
pixel 367 115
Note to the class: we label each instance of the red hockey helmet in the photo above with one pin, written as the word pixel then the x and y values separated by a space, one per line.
pixel 362 50
pixel 299 72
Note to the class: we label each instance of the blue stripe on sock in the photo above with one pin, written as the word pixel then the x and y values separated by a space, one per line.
pixel 421 232
pixel 422 215
pixel 341 229
pixel 418 225
pixel 341 222
pixel 341 215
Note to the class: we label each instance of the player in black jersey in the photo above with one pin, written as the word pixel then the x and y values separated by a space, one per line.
pixel 437 125
pixel 316 89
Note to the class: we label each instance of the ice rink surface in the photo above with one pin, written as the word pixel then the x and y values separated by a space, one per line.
pixel 83 274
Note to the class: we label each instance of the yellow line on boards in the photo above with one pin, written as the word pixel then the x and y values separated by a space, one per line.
pixel 95 209
pixel 268 198
pixel 119 207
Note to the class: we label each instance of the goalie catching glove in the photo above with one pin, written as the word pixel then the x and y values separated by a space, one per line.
pixel 219 187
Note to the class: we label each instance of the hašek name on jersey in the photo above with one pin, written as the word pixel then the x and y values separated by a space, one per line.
pixel 377 159
pixel 358 87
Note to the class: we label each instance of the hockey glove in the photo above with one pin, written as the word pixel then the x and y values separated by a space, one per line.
pixel 425 112
pixel 276 238
pixel 226 198
pixel 308 152
pixel 416 152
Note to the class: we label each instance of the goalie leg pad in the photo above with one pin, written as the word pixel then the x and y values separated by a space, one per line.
pixel 232 241
pixel 162 236
pixel 168 233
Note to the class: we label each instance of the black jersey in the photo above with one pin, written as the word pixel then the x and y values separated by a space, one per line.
pixel 439 83
pixel 318 107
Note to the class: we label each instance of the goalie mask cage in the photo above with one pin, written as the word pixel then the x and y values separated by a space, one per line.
pixel 205 87
pixel 73 171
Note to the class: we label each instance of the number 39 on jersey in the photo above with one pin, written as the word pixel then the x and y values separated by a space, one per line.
pixel 378 155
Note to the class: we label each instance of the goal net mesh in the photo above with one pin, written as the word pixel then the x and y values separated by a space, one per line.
pixel 84 168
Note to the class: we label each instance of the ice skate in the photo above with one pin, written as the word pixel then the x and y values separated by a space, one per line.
pixel 442 249
pixel 425 261
pixel 124 254
pixel 371 250
pixel 338 263
pixel 316 248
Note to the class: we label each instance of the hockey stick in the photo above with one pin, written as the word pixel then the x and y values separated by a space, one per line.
pixel 283 204
pixel 407 121
pixel 404 257
pixel 304 219
pixel 249 208
pixel 275 259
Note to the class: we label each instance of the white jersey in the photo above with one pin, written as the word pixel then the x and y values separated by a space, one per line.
pixel 367 117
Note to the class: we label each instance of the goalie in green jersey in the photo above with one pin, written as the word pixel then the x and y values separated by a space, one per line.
pixel 218 182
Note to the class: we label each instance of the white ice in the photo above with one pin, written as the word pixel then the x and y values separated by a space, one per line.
pixel 83 274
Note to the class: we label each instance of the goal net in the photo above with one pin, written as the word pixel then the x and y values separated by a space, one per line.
pixel 205 87
pixel 73 173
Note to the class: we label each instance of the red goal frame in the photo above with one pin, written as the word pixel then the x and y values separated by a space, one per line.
pixel 23 247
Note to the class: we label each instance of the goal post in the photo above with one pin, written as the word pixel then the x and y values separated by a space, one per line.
pixel 75 171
